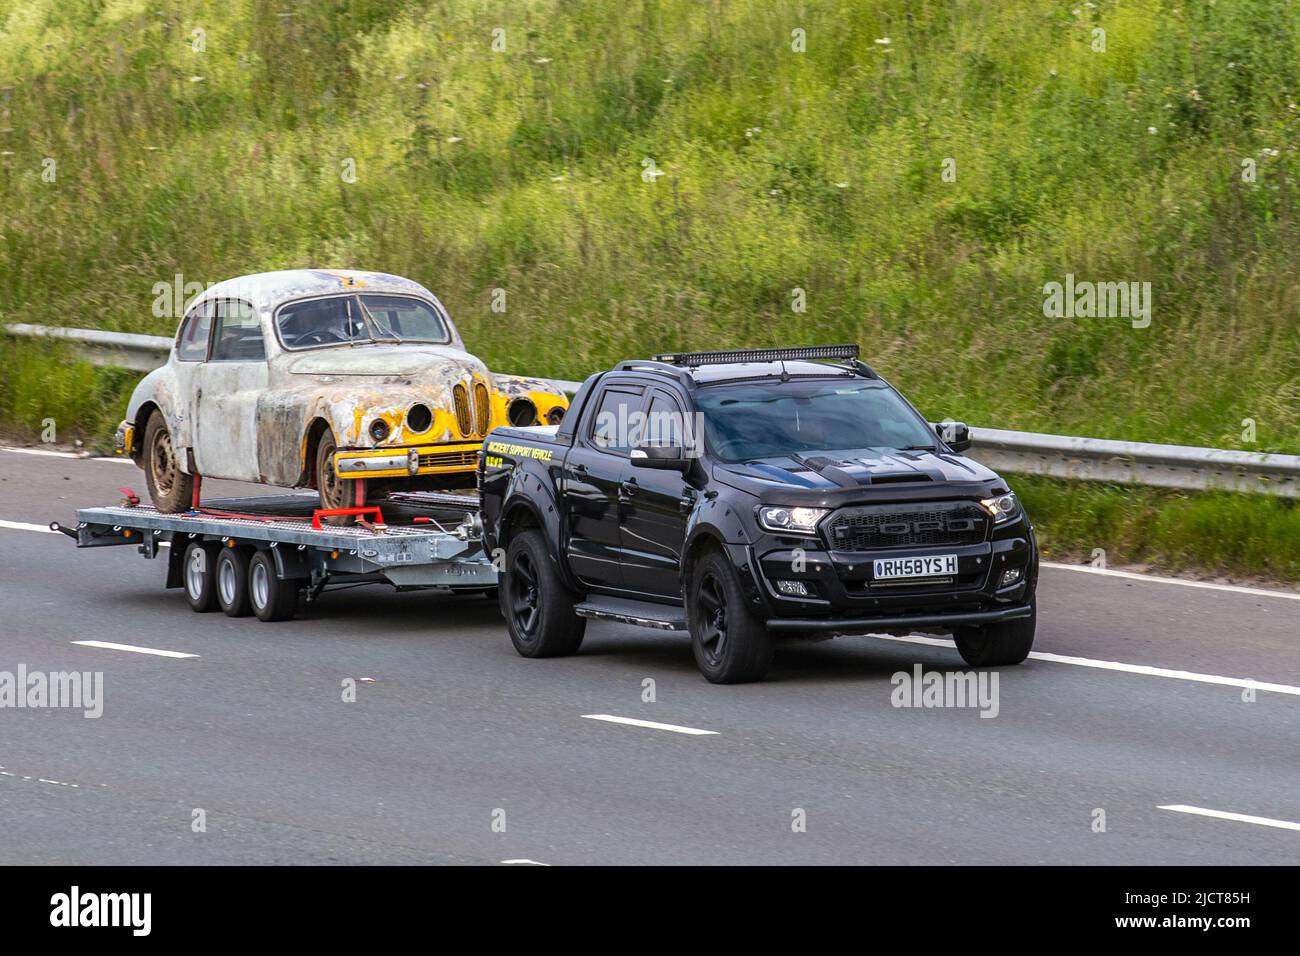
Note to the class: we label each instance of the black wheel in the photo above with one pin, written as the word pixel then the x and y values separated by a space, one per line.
pixel 272 598
pixel 537 607
pixel 232 582
pixel 335 492
pixel 997 645
pixel 200 575
pixel 170 489
pixel 732 646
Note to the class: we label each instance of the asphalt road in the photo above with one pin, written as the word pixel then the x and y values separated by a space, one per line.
pixel 455 732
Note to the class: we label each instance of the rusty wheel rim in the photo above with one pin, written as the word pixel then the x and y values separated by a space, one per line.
pixel 330 485
pixel 162 462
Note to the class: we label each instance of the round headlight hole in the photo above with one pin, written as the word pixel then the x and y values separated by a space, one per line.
pixel 522 412
pixel 419 418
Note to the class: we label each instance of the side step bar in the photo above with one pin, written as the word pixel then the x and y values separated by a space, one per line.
pixel 665 617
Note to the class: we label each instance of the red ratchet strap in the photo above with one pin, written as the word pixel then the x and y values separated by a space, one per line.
pixel 343 512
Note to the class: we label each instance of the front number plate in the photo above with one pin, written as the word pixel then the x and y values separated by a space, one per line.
pixel 934 566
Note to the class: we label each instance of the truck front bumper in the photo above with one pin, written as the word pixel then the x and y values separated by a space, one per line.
pixel 408 461
pixel 943 620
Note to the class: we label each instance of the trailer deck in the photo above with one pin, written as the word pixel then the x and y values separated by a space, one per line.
pixel 415 540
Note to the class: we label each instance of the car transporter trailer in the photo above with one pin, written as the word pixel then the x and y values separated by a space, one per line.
pixel 262 555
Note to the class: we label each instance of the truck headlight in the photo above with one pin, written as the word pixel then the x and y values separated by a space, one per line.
pixel 1003 508
pixel 790 520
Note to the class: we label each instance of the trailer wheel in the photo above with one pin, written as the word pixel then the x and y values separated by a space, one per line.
pixel 232 582
pixel 272 598
pixel 200 575
pixel 536 605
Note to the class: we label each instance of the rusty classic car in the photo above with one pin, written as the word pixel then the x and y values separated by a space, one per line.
pixel 352 383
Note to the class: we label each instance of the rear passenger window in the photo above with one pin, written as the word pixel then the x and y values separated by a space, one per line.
pixel 618 420
pixel 192 340
pixel 239 334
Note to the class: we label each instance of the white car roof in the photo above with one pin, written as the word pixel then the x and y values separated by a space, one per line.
pixel 266 290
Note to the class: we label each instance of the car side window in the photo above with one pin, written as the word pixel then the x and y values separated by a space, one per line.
pixel 665 422
pixel 617 423
pixel 192 339
pixel 239 334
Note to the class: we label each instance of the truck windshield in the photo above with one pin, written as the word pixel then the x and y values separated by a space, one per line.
pixel 744 421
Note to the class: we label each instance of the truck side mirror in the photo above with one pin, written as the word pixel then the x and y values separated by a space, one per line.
pixel 956 435
pixel 669 457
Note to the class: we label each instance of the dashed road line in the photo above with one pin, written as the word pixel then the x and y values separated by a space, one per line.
pixel 110 646
pixel 523 863
pixel 1228 815
pixel 1145 669
pixel 55 783
pixel 650 724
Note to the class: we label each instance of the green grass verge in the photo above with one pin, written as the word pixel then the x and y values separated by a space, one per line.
pixel 1215 532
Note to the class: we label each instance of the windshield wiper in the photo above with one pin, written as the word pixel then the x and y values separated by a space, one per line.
pixel 372 323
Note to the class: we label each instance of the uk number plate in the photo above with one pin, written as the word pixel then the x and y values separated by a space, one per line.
pixel 936 565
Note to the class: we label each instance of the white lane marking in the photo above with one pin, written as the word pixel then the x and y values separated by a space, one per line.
pixel 1225 815
pixel 24 526
pixel 1118 666
pixel 523 863
pixel 109 646
pixel 653 725
pixel 1182 582
pixel 48 453
pixel 57 783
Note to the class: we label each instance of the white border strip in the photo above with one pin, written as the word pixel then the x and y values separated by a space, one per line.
pixel 1235 817
pixel 50 453
pixel 633 722
pixel 1183 582
pixel 1144 669
pixel 24 526
pixel 109 646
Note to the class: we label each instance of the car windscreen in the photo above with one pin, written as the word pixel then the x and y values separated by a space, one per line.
pixel 345 320
pixel 315 322
pixel 770 419
pixel 404 318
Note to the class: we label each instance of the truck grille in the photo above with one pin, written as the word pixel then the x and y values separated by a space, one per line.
pixel 450 459
pixel 874 527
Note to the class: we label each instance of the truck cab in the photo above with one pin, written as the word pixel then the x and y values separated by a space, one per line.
pixel 753 494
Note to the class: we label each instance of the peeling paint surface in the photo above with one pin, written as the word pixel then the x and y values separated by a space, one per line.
pixel 255 419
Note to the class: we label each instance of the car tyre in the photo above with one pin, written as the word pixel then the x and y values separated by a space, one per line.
pixel 170 488
pixel 271 597
pixel 538 608
pixel 232 582
pixel 998 645
pixel 335 492
pixel 731 644
pixel 199 574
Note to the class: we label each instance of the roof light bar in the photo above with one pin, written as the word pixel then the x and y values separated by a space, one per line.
pixel 806 352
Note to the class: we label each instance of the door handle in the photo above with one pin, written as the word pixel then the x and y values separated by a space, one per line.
pixel 580 469
pixel 628 488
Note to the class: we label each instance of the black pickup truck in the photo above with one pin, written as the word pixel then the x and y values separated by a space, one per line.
pixel 748 495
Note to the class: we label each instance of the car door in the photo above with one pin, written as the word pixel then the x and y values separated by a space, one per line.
pixel 230 383
pixel 594 470
pixel 655 505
